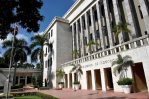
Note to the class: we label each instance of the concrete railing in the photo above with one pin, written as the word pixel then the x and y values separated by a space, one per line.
pixel 135 43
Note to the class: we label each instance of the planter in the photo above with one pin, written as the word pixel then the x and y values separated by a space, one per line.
pixel 76 86
pixel 126 89
pixel 60 86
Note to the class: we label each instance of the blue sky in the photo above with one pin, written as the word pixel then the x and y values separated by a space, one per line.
pixel 49 10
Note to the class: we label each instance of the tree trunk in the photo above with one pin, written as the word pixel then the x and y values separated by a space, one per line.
pixel 14 75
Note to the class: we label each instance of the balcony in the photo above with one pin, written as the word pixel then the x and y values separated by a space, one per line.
pixel 136 43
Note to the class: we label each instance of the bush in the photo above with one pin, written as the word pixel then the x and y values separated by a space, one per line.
pixel 45 96
pixel 125 81
pixel 17 86
pixel 60 82
pixel 76 82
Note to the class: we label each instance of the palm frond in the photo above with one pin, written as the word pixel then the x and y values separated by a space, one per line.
pixel 34 44
pixel 7 43
pixel 34 55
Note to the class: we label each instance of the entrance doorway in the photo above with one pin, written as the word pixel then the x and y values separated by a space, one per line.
pixel 89 79
pixel 139 78
pixel 98 79
pixel 66 81
pixel 108 79
pixel 70 80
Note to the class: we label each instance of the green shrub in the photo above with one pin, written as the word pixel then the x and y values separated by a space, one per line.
pixel 45 96
pixel 17 86
pixel 76 82
pixel 60 82
pixel 125 81
pixel 34 81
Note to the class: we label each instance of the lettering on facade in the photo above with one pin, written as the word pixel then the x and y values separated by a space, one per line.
pixel 98 63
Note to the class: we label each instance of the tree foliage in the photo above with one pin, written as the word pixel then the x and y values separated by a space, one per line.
pixel 24 12
pixel 38 42
pixel 122 64
pixel 60 73
pixel 77 68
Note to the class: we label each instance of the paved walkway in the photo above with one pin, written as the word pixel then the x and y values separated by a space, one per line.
pixel 88 94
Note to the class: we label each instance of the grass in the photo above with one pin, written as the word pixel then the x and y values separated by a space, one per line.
pixel 28 97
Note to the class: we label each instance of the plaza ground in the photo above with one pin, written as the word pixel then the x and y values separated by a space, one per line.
pixel 90 94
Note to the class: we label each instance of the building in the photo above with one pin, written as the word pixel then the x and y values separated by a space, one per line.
pixel 23 75
pixel 93 20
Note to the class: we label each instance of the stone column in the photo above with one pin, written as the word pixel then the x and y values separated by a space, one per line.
pixel 25 80
pixel 77 38
pixel 93 80
pixel 102 39
pixel 82 37
pixel 93 28
pixel 146 71
pixel 108 23
pixel 68 80
pixel 87 27
pixel 72 80
pixel 131 21
pixel 73 39
pixel 103 80
pixel 117 18
pixel 145 14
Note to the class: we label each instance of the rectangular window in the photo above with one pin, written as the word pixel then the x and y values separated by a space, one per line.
pixel 51 33
pixel 91 36
pixel 45 64
pixel 97 34
pixel 83 19
pixel 89 19
pixel 95 15
pixel 141 15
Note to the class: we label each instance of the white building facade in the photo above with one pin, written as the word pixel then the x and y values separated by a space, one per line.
pixel 93 21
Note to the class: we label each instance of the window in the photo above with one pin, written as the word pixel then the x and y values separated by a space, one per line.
pixel 91 36
pixel 51 33
pixel 83 19
pixel 141 15
pixel 79 26
pixel 89 19
pixel 85 39
pixel 95 15
pixel 97 34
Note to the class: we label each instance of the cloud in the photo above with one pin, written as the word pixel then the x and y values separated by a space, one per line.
pixel 39 33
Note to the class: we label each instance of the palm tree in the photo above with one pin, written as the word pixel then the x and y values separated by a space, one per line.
pixel 122 65
pixel 77 68
pixel 21 50
pixel 121 28
pixel 75 53
pixel 90 45
pixel 38 41
pixel 60 73
pixel 3 63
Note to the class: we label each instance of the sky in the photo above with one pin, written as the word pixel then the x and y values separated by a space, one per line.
pixel 49 10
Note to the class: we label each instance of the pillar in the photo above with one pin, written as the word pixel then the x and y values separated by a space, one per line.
pixel 103 80
pixel 87 28
pixel 102 39
pixel 93 28
pixel 93 80
pixel 131 21
pixel 82 37
pixel 145 14
pixel 108 23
